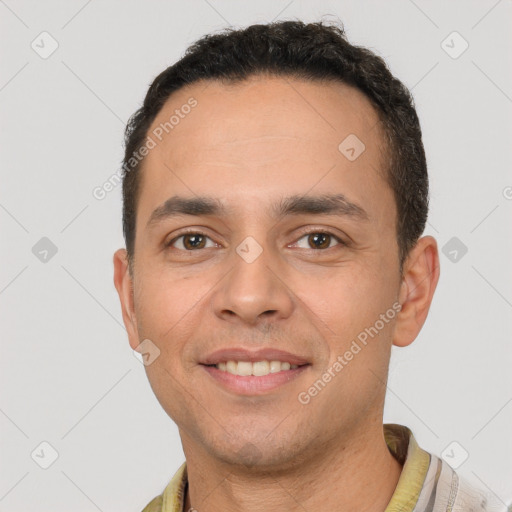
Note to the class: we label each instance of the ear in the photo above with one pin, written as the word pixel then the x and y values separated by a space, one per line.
pixel 419 281
pixel 124 286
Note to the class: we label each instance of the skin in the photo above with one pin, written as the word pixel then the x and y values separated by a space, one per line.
pixel 249 145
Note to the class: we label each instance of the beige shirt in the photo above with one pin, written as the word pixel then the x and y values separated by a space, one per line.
pixel 426 484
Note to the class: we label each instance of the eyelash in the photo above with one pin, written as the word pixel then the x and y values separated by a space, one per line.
pixel 312 232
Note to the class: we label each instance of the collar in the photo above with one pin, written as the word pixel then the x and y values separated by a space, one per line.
pixel 401 444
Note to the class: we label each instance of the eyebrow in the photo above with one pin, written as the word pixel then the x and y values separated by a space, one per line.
pixel 336 204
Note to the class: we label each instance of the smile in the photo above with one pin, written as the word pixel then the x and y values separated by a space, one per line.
pixel 258 368
pixel 253 379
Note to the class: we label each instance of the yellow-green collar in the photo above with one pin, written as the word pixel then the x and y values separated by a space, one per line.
pixel 401 444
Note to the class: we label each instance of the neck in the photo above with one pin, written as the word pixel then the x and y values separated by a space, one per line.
pixel 357 474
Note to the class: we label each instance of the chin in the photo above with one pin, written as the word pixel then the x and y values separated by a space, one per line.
pixel 261 455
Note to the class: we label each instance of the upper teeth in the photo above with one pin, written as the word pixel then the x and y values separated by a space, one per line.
pixel 259 368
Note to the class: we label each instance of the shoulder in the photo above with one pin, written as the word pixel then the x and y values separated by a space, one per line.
pixel 173 495
pixel 155 505
pixel 452 491
pixel 466 495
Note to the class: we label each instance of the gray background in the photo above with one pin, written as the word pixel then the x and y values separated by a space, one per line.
pixel 68 375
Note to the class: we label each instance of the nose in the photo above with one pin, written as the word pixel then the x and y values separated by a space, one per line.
pixel 253 291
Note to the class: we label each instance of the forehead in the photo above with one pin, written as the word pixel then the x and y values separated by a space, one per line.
pixel 264 107
pixel 262 136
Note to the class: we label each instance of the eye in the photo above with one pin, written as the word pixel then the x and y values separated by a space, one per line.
pixel 315 240
pixel 191 241
pixel 320 240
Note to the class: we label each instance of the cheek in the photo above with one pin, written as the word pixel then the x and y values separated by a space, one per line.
pixel 171 309
pixel 352 300
pixel 162 301
pixel 360 341
pixel 167 310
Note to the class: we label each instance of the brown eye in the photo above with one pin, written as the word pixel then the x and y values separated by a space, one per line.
pixel 319 240
pixel 194 241
pixel 190 242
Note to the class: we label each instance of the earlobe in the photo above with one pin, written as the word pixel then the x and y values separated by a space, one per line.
pixel 124 286
pixel 419 281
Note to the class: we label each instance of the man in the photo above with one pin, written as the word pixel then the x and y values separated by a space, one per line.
pixel 275 193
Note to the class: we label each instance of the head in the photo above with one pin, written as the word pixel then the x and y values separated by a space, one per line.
pixel 275 192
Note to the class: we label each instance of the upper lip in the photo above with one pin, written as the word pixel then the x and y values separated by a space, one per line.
pixel 241 354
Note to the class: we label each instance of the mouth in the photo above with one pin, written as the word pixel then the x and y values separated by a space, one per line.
pixel 257 369
pixel 254 373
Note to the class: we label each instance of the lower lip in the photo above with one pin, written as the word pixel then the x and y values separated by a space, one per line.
pixel 252 384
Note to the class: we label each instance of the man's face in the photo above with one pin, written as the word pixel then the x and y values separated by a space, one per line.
pixel 257 277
